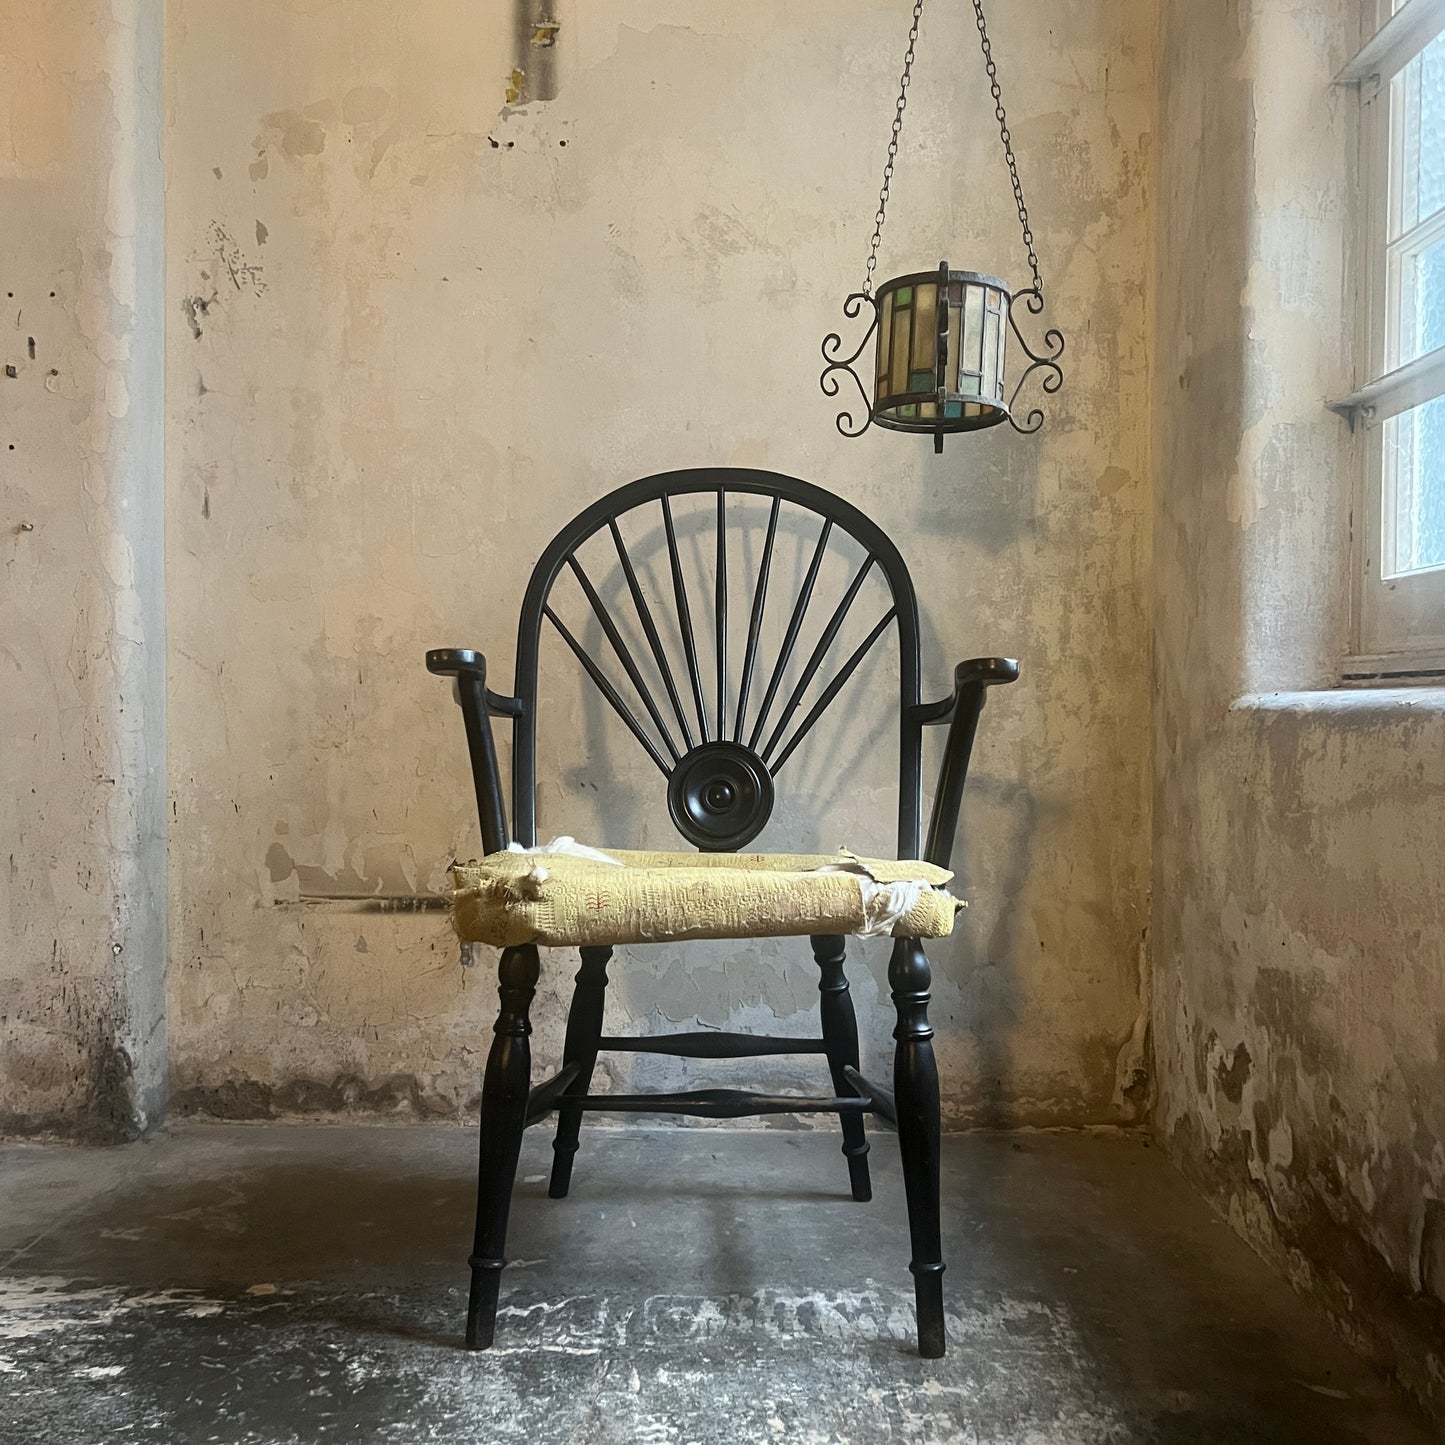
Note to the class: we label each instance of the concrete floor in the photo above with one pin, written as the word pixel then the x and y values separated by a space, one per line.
pixel 238 1283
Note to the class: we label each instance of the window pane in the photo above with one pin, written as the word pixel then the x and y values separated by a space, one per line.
pixel 1419 102
pixel 1422 302
pixel 1415 487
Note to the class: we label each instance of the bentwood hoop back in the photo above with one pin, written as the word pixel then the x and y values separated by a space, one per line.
pixel 720 717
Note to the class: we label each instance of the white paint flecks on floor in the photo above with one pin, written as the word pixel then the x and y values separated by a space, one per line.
pixel 289 1285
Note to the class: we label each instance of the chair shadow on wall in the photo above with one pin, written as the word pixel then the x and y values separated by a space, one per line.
pixel 992 954
pixel 607 765
pixel 996 509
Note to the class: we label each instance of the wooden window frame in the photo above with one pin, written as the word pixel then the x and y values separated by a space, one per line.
pixel 1397 619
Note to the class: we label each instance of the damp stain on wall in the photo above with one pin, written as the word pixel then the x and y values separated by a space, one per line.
pixel 82 1027
pixel 1298 906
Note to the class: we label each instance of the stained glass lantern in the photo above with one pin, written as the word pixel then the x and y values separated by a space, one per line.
pixel 940 354
pixel 940 339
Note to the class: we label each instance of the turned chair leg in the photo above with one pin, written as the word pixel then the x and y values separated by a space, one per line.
pixel 584 1029
pixel 915 1083
pixel 504 1116
pixel 840 1039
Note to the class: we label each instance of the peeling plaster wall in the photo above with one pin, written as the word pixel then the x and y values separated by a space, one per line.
pixel 413 329
pixel 1299 901
pixel 82 653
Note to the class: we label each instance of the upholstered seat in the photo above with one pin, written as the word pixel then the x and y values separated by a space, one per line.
pixel 561 895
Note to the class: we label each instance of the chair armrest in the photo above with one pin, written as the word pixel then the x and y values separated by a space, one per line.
pixel 453 661
pixel 462 661
pixel 990 671
pixel 971 680
pixel 470 671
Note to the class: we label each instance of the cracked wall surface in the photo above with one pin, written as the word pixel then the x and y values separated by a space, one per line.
pixel 437 276
pixel 1299 902
pixel 415 323
pixel 82 651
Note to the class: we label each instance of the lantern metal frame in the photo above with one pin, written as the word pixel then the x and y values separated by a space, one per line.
pixel 935 407
pixel 926 402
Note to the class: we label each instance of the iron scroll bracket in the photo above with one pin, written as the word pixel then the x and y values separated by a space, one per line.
pixel 832 346
pixel 1046 360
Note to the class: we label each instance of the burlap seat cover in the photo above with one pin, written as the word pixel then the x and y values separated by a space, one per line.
pixel 559 900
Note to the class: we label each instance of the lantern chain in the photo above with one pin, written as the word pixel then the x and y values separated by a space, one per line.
pixel 892 149
pixel 1008 148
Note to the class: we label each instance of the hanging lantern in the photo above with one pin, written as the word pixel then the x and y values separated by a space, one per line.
pixel 940 338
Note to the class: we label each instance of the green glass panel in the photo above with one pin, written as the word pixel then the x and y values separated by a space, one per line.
pixel 953 409
pixel 911 410
pixel 903 296
pixel 968 385
pixel 923 381
pixel 925 333
pixel 898 369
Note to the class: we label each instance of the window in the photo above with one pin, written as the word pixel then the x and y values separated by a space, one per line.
pixel 1399 409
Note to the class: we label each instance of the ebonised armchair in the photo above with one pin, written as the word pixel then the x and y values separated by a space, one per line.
pixel 720 760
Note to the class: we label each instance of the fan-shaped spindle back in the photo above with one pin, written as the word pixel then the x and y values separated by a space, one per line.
pixel 720 752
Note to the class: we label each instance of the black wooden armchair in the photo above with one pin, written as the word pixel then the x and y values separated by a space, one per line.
pixel 720 789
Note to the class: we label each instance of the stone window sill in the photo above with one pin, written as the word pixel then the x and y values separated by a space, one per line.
pixel 1382 703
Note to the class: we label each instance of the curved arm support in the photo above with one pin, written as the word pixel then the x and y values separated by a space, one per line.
pixel 961 712
pixel 478 704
